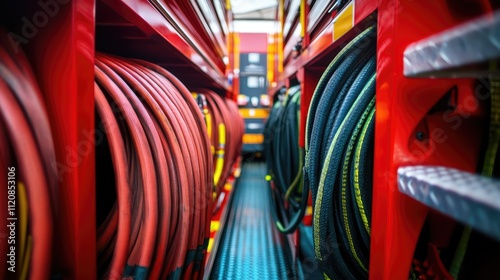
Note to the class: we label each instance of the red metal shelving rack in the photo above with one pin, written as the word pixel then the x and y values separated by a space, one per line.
pixel 160 37
pixel 62 55
pixel 60 46
pixel 62 50
pixel 403 108
pixel 308 66
pixel 66 47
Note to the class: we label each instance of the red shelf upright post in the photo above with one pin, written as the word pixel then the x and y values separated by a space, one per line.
pixel 62 54
pixel 403 109
pixel 308 79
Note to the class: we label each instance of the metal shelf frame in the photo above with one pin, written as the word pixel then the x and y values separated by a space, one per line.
pixel 405 108
pixel 62 51
pixel 161 32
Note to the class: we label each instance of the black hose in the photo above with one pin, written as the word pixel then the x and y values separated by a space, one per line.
pixel 339 145
pixel 284 161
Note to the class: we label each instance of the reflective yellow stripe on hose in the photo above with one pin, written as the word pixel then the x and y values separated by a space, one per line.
pixel 357 189
pixel 319 197
pixel 363 126
pixel 220 153
pixel 26 242
pixel 297 179
pixel 27 258
pixel 208 121
pixel 494 131
pixel 23 222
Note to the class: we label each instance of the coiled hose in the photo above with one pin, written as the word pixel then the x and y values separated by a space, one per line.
pixel 163 173
pixel 159 147
pixel 27 155
pixel 285 162
pixel 227 129
pixel 339 158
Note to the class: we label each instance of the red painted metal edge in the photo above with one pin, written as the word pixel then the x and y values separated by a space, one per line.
pixel 324 43
pixel 404 108
pixel 62 53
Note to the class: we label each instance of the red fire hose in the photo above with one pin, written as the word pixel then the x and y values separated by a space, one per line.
pixel 162 166
pixel 227 131
pixel 165 141
pixel 25 128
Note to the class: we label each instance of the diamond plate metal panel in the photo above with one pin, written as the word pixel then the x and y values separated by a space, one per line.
pixel 471 43
pixel 469 198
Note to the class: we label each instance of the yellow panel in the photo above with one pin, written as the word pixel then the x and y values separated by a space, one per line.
pixel 309 210
pixel 253 138
pixel 214 226
pixel 270 58
pixel 210 245
pixel 343 22
pixel 236 42
pixel 281 16
pixel 254 113
pixel 303 24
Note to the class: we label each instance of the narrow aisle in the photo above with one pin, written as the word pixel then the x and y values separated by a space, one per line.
pixel 251 247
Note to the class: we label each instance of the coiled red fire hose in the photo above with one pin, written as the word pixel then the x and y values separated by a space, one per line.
pixel 170 173
pixel 162 167
pixel 25 128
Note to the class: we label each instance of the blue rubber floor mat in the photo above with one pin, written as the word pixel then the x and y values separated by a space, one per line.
pixel 251 247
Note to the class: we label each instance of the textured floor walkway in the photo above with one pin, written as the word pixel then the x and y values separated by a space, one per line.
pixel 251 247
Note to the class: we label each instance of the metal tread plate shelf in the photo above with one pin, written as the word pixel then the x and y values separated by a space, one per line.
pixel 463 51
pixel 469 198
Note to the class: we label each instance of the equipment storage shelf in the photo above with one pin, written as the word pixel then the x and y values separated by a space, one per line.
pixel 308 64
pixel 60 40
pixel 305 65
pixel 173 34
pixel 324 43
pixel 413 129
pixel 419 121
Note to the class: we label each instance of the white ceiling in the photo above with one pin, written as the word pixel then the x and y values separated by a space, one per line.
pixel 246 6
pixel 254 9
pixel 254 26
